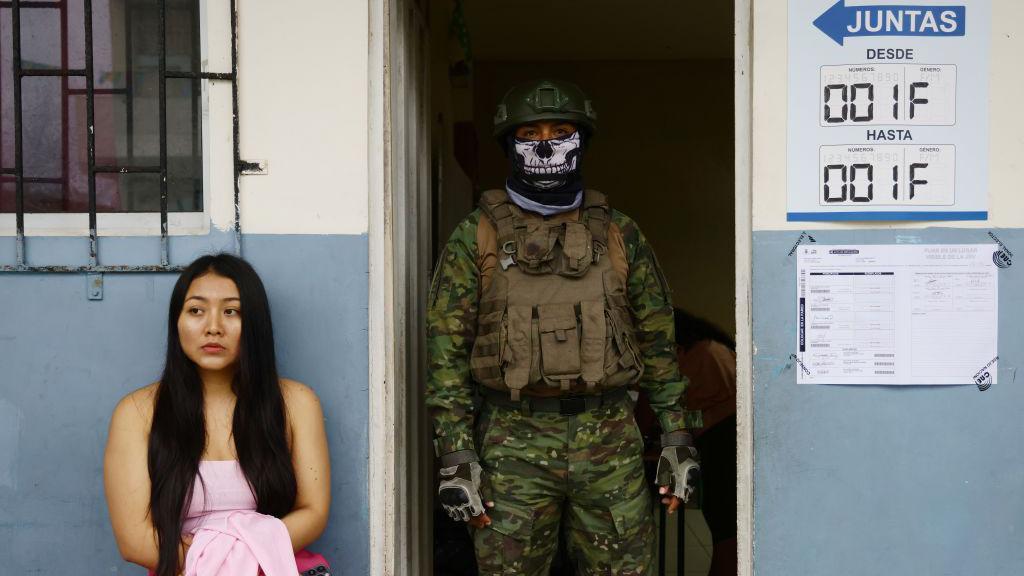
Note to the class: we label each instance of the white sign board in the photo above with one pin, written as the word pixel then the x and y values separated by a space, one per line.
pixel 897 314
pixel 888 110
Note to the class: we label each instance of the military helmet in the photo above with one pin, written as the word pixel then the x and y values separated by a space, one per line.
pixel 544 100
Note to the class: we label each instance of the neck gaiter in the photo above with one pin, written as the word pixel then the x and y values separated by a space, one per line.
pixel 546 171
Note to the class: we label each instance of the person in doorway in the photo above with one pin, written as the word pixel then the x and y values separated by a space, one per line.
pixel 707 357
pixel 221 468
pixel 550 305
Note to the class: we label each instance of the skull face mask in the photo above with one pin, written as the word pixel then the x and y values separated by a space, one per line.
pixel 547 164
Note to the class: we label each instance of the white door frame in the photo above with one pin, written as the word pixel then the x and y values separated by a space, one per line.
pixel 399 233
pixel 743 102
pixel 381 479
pixel 391 521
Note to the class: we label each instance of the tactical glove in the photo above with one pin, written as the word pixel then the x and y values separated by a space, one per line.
pixel 459 490
pixel 679 464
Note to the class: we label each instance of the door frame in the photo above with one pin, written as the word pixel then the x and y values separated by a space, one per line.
pixel 399 230
pixel 381 487
pixel 744 116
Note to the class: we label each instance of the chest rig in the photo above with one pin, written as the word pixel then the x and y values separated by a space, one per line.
pixel 555 314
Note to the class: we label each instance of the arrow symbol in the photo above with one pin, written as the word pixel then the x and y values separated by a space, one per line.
pixel 841 21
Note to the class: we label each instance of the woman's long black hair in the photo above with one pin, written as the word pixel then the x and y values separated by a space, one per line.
pixel 178 436
pixel 691 329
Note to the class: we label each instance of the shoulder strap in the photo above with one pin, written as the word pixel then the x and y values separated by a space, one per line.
pixel 597 217
pixel 496 205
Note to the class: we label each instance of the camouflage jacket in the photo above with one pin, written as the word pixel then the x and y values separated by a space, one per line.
pixel 452 320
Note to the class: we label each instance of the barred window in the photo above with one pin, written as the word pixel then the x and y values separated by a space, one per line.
pixel 48 47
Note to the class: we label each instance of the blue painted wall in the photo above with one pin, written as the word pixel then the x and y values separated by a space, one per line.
pixel 854 480
pixel 65 361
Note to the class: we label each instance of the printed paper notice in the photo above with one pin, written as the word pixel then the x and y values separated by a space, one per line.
pixel 897 314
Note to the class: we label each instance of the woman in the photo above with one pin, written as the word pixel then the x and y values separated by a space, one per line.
pixel 220 468
pixel 707 356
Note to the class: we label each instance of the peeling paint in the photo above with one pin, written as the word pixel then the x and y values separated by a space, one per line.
pixel 90 269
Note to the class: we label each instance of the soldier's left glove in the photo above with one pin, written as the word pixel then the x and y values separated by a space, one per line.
pixel 459 490
pixel 679 464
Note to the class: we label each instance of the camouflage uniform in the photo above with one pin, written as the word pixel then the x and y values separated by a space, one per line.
pixel 537 464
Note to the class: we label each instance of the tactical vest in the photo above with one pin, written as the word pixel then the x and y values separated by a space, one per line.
pixel 555 313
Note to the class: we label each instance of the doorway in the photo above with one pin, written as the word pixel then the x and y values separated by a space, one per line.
pixel 661 76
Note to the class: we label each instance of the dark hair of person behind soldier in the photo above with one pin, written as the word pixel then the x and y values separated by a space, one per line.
pixel 691 329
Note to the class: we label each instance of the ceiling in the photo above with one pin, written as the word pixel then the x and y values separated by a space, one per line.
pixel 599 29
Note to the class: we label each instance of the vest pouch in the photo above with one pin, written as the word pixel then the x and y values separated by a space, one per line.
pixel 623 365
pixel 592 347
pixel 559 344
pixel 577 249
pixel 491 344
pixel 521 349
pixel 535 252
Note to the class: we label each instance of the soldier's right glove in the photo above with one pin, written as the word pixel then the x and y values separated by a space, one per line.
pixel 459 490
pixel 679 464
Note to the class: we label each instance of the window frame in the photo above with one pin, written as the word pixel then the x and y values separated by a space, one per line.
pixel 219 134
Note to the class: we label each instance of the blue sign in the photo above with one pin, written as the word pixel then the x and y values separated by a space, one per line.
pixel 841 21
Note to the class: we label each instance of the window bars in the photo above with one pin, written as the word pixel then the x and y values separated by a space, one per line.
pixel 196 76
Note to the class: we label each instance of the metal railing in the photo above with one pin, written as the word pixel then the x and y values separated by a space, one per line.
pixel 90 92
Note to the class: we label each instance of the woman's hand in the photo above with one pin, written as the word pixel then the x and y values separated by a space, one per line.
pixel 186 543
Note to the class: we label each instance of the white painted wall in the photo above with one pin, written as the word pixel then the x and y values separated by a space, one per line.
pixel 1006 197
pixel 303 108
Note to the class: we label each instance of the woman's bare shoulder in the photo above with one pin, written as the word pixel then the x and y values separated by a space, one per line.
pixel 299 398
pixel 137 405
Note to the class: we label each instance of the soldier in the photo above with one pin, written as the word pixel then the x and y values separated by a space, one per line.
pixel 550 306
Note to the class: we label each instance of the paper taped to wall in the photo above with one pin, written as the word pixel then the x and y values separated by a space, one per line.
pixel 897 314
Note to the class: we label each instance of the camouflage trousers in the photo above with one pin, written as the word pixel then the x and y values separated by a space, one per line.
pixel 543 468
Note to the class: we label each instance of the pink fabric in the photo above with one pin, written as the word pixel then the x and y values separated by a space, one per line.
pixel 229 538
pixel 307 560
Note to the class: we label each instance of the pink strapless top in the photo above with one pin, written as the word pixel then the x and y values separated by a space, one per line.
pixel 220 487
pixel 229 538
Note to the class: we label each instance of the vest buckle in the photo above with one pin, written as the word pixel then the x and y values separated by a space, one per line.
pixel 509 249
